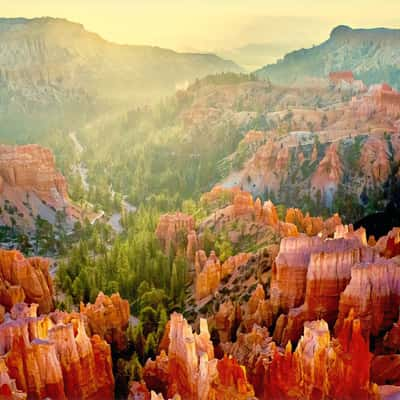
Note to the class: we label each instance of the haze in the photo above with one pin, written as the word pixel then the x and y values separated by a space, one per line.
pixel 208 26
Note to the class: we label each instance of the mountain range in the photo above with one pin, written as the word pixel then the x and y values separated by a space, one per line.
pixel 372 54
pixel 53 70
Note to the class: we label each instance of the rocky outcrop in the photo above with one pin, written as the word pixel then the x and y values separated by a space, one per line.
pixel 375 162
pixel 138 391
pixel 25 279
pixel 30 186
pixel 193 372
pixel 227 320
pixel 8 388
pixel 312 225
pixel 385 370
pixel 52 356
pixel 257 311
pixel 192 246
pixel 250 349
pixel 172 230
pixel 327 277
pixel 374 294
pixel 244 218
pixel 210 272
pixel 108 317
pixel 326 179
pixel 289 279
pixel 267 168
pixel 321 367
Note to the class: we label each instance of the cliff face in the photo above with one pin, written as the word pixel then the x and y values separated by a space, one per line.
pixel 312 226
pixel 321 367
pixel 374 294
pixel 30 186
pixel 328 175
pixel 375 161
pixel 193 372
pixel 172 230
pixel 108 318
pixel 25 279
pixel 311 276
pixel 52 356
pixel 243 218
pixel 320 151
pixel 210 272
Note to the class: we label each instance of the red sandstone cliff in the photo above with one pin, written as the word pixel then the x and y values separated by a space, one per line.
pixel 191 370
pixel 375 161
pixel 25 279
pixel 321 367
pixel 172 230
pixel 108 317
pixel 210 272
pixel 52 356
pixel 328 175
pixel 30 183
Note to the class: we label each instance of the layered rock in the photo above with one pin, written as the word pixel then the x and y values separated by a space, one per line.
pixel 172 230
pixel 290 270
pixel 108 317
pixel 243 218
pixel 327 276
pixel 328 175
pixel 193 372
pixel 321 367
pixel 257 311
pixel 389 245
pixel 31 185
pixel 210 272
pixel 289 280
pixel 375 161
pixel 8 388
pixel 312 225
pixel 374 294
pixel 267 168
pixel 25 279
pixel 309 276
pixel 250 349
pixel 52 356
pixel 227 320
pixel 385 370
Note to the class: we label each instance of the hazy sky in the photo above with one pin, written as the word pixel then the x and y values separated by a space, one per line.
pixel 212 24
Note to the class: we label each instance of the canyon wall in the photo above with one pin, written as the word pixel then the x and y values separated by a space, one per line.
pixel 30 186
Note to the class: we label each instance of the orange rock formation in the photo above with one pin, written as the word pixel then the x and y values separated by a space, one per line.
pixel 210 272
pixel 25 279
pixel 328 175
pixel 193 372
pixel 321 367
pixel 28 178
pixel 52 356
pixel 108 317
pixel 172 230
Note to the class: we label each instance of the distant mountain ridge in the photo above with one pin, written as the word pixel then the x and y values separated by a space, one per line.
pixel 52 68
pixel 372 54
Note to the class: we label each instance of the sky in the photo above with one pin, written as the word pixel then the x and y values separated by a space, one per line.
pixel 212 25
